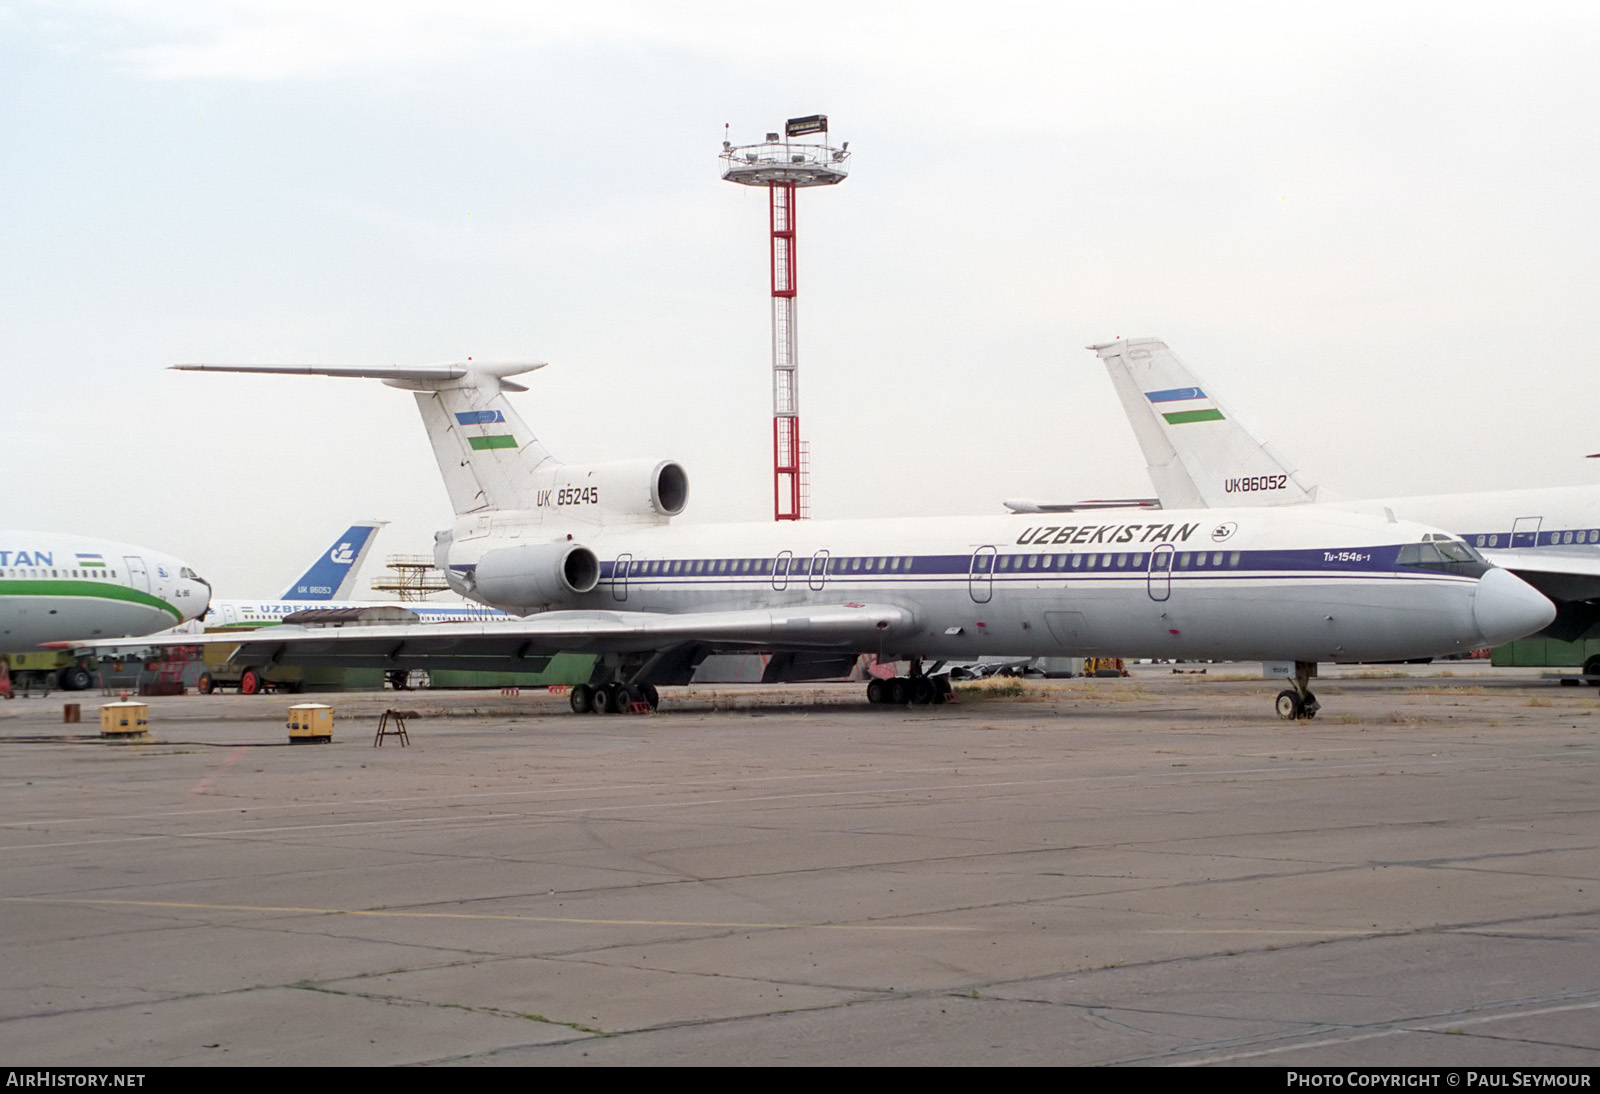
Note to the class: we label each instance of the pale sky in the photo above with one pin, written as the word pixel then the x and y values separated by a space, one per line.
pixel 1372 227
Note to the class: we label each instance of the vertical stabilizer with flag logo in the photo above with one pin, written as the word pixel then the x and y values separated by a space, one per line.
pixel 485 451
pixel 1197 451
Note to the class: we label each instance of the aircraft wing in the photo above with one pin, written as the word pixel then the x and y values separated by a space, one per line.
pixel 505 644
pixel 1033 505
pixel 1561 575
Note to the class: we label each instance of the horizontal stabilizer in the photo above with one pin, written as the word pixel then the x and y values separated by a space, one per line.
pixel 486 453
pixel 410 377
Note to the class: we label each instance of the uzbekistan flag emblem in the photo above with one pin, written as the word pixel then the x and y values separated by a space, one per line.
pixel 1182 405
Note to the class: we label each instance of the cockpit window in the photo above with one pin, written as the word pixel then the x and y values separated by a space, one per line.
pixel 1443 554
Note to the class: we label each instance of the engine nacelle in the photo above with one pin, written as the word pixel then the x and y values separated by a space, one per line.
pixel 651 489
pixel 535 575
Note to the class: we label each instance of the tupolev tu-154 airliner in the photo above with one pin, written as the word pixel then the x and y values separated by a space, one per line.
pixel 590 559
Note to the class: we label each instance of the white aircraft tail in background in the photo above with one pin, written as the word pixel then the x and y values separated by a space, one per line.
pixel 1197 450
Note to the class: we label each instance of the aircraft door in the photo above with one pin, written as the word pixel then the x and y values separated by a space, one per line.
pixel 980 575
pixel 819 570
pixel 1158 582
pixel 780 570
pixel 1525 532
pixel 138 576
pixel 619 576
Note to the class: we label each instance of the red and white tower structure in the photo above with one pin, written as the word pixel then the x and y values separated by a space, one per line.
pixel 784 166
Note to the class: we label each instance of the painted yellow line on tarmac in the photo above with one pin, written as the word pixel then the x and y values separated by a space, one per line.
pixel 383 913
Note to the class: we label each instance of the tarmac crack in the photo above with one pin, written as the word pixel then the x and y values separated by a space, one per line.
pixel 412 1001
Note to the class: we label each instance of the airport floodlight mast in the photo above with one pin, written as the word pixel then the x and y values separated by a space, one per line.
pixel 783 166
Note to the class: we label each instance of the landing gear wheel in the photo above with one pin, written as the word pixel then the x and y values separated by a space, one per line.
pixel 205 685
pixel 581 699
pixel 1591 667
pixel 607 699
pixel 251 683
pixel 622 697
pixel 899 691
pixel 1289 706
pixel 1310 705
pixel 649 694
pixel 941 690
pixel 877 692
pixel 75 678
pixel 922 690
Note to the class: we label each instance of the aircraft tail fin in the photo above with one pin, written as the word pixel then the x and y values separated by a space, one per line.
pixel 333 575
pixel 485 451
pixel 1197 451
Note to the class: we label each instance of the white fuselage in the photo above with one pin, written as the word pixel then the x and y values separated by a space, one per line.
pixel 1494 520
pixel 229 615
pixel 1309 585
pixel 56 588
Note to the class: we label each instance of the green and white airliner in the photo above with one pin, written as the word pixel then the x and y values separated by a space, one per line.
pixel 56 588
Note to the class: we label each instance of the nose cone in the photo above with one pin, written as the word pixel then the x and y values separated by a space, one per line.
pixel 1506 607
pixel 199 600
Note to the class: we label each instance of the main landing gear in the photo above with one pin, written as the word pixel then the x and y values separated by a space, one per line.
pixel 1296 703
pixel 614 698
pixel 914 690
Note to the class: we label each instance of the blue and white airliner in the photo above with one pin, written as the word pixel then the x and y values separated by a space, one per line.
pixel 588 556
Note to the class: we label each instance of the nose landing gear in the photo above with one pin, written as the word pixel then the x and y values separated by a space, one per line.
pixel 1299 703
